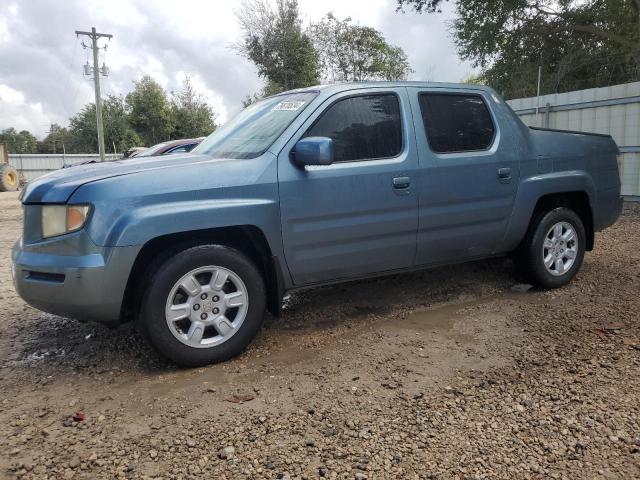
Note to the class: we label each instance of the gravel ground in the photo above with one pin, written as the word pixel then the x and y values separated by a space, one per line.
pixel 448 373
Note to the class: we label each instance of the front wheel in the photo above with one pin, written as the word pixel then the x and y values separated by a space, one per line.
pixel 203 305
pixel 554 248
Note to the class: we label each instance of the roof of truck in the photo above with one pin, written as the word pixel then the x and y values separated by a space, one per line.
pixel 344 86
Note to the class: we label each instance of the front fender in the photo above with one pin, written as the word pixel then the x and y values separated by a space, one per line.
pixel 532 189
pixel 136 223
pixel 134 209
pixel 139 225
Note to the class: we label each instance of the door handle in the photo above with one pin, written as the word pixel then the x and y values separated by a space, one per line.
pixel 401 183
pixel 504 175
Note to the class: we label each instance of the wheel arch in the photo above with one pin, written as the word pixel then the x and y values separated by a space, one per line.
pixel 573 188
pixel 248 239
pixel 578 201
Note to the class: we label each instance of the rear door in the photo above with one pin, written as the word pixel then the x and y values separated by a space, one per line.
pixel 360 214
pixel 469 173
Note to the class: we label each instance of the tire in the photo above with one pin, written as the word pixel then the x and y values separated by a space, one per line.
pixel 9 178
pixel 548 239
pixel 195 341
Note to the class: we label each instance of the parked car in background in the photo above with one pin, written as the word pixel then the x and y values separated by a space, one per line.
pixel 306 188
pixel 164 148
pixel 172 147
pixel 134 151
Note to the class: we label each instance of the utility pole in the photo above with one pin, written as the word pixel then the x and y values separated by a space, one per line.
pixel 94 36
pixel 538 93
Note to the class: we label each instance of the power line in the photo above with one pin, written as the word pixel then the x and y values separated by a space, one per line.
pixel 94 36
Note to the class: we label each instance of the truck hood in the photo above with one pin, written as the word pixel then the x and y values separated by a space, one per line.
pixel 58 186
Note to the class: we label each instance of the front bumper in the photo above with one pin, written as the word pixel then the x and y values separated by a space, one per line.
pixel 72 277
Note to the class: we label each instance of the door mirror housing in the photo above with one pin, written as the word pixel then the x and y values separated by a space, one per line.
pixel 314 151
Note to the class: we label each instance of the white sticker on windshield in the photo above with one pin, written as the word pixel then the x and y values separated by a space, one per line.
pixel 289 106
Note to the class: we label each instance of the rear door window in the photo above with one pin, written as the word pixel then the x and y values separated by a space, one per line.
pixel 365 127
pixel 456 122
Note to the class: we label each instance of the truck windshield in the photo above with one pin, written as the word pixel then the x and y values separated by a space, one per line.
pixel 251 132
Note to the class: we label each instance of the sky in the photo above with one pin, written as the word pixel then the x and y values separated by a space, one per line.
pixel 41 60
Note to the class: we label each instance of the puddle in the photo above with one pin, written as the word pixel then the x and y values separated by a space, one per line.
pixel 444 317
pixel 366 310
pixel 25 359
pixel 251 367
pixel 42 354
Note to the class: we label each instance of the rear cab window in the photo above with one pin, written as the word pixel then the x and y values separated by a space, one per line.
pixel 456 122
pixel 362 127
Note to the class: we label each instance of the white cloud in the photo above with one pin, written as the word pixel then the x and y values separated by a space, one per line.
pixel 363 12
pixel 155 69
pixel 22 115
pixel 9 95
pixel 428 44
pixel 4 31
pixel 212 98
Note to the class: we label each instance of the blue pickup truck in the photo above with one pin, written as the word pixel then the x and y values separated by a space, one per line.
pixel 309 187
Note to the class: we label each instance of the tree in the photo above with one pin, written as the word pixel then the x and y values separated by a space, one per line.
pixel 251 99
pixel 268 90
pixel 117 131
pixel 350 52
pixel 58 140
pixel 578 43
pixel 150 112
pixel 473 79
pixel 19 142
pixel 423 6
pixel 274 41
pixel 193 116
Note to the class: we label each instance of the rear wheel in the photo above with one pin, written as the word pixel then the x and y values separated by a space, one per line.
pixel 9 178
pixel 554 248
pixel 203 305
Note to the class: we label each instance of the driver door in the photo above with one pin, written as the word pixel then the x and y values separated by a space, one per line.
pixel 360 214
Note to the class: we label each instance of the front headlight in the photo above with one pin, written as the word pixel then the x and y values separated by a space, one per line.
pixel 61 219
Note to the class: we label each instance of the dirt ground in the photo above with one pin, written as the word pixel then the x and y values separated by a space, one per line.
pixel 442 374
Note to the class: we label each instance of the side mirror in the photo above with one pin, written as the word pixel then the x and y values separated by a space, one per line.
pixel 314 151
